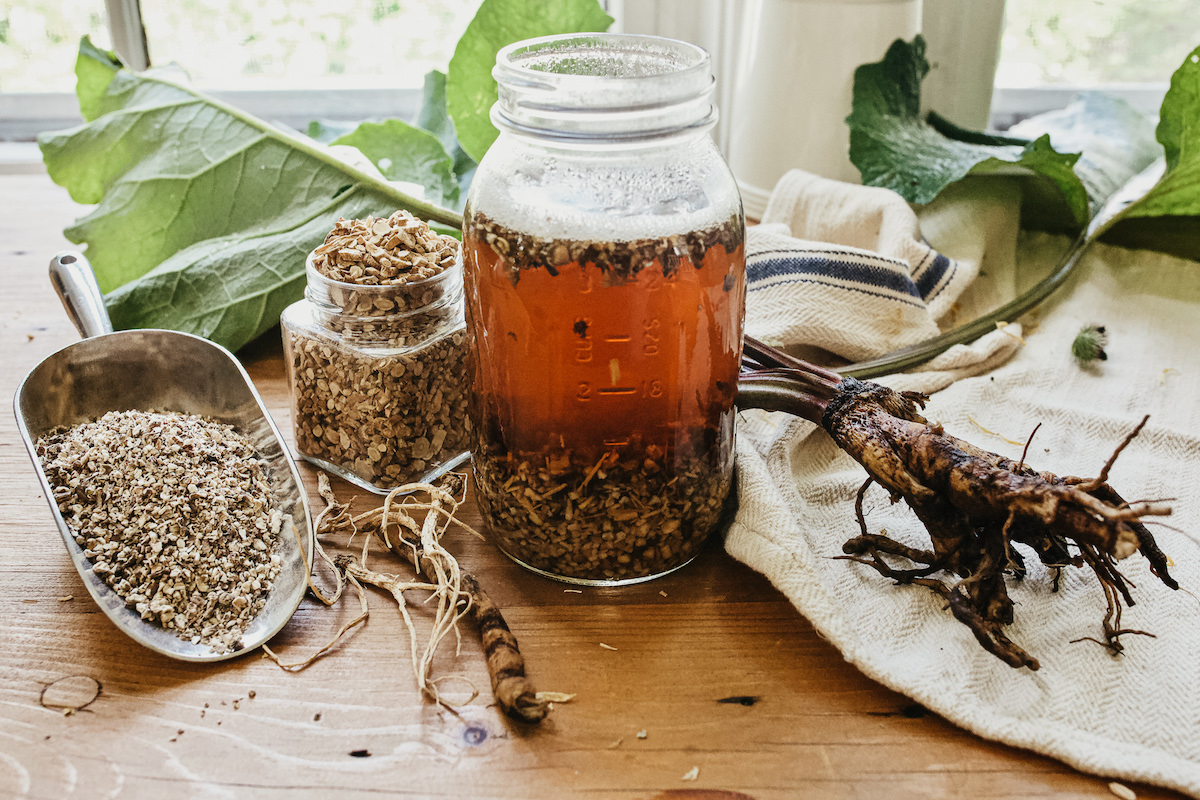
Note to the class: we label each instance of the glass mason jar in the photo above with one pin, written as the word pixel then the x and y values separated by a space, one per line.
pixel 605 282
pixel 378 378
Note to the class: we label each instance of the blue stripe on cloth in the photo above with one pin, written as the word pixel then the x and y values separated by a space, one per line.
pixel 871 274
pixel 829 282
pixel 931 278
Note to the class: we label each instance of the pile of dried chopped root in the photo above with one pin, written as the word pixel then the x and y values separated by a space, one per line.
pixel 455 592
pixel 975 504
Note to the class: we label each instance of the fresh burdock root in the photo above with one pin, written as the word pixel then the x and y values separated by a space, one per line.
pixel 974 504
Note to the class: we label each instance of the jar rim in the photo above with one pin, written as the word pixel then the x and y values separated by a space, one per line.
pixel 603 86
pixel 509 58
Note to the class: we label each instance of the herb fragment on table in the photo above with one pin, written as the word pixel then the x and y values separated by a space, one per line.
pixel 1122 791
pixel 70 694
pixel 175 513
pixel 1003 326
pixel 555 697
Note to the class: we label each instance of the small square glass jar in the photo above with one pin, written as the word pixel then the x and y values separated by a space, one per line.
pixel 378 379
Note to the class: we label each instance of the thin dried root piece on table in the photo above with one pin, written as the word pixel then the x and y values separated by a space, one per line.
pixel 974 504
pixel 421 546
pixel 457 592
pixel 506 665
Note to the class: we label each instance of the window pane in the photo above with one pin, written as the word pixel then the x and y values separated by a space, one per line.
pixel 1087 42
pixel 40 38
pixel 310 44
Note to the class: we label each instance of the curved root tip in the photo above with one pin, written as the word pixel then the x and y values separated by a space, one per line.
pixel 527 708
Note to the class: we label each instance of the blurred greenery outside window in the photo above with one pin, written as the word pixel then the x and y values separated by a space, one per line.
pixel 243 44
pixel 287 61
pixel 1095 42
pixel 293 60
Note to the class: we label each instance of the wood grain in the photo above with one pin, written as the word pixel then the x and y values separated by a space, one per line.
pixel 808 725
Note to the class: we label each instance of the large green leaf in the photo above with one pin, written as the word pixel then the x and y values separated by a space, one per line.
pixel 404 153
pixel 1167 217
pixel 470 87
pixel 434 117
pixel 233 288
pixel 1179 119
pixel 94 71
pixel 893 147
pixel 223 205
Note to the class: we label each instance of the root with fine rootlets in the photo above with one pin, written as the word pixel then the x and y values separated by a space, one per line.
pixel 457 592
pixel 975 504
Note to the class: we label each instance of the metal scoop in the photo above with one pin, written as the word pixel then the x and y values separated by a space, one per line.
pixel 158 370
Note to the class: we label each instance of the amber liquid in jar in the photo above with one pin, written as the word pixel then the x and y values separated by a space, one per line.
pixel 604 379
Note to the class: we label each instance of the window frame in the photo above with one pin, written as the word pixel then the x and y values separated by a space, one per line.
pixel 24 114
pixel 1011 104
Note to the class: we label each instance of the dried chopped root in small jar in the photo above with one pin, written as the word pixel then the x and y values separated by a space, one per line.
pixel 385 251
pixel 458 594
pixel 628 516
pixel 175 513
pixel 387 419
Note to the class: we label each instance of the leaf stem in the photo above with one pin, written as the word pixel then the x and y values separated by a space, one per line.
pixel 418 207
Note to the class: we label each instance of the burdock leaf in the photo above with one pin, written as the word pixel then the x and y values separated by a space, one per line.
pixel 1167 217
pixel 94 70
pixel 893 147
pixel 470 87
pixel 204 213
pixel 1179 118
pixel 434 117
pixel 404 153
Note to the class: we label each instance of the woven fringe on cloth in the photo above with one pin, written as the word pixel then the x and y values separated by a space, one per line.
pixel 1134 717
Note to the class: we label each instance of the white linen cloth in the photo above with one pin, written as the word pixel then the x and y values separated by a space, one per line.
pixel 845 268
pixel 1136 716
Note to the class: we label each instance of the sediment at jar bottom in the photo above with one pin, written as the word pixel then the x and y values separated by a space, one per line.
pixel 616 516
pixel 389 419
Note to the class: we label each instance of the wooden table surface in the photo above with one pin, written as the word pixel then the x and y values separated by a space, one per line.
pixel 816 727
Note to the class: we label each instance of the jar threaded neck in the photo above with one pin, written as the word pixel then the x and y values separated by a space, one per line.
pixel 603 87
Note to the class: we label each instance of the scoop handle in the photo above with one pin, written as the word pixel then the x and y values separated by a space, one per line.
pixel 73 280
